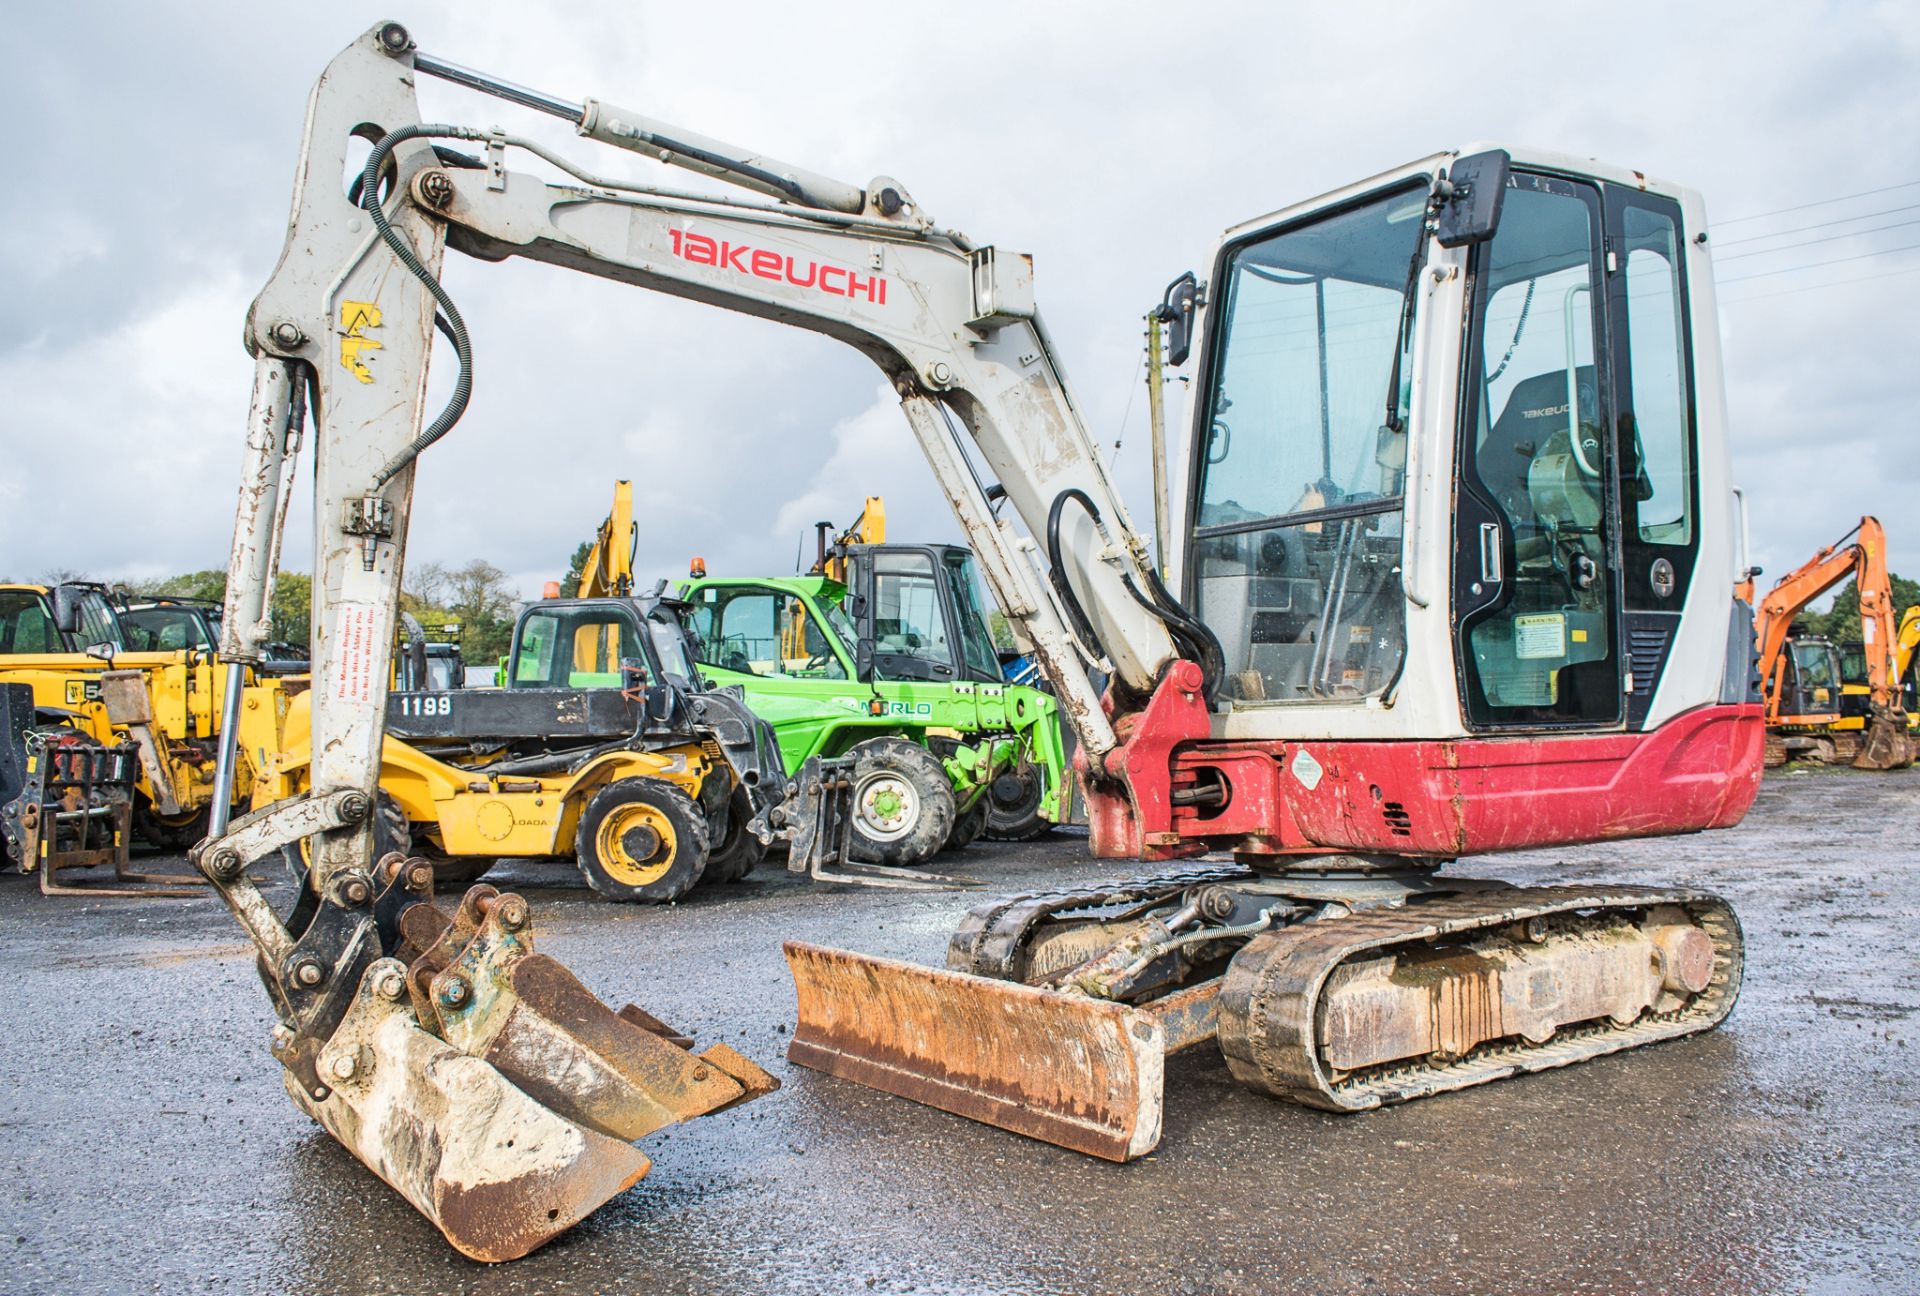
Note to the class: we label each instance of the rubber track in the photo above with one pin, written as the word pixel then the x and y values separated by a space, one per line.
pixel 989 939
pixel 1268 1003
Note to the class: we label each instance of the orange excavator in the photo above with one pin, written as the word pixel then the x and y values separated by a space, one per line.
pixel 1795 711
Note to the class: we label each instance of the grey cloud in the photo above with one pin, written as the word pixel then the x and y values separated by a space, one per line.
pixel 1112 142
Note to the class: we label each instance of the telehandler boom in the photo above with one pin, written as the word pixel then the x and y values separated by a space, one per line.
pixel 1457 545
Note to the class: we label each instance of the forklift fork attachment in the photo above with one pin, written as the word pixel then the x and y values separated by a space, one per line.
pixel 1081 1073
pixel 819 813
pixel 497 1172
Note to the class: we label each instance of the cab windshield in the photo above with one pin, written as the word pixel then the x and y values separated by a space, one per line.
pixel 1297 539
pixel 164 629
pixel 670 645
pixel 976 640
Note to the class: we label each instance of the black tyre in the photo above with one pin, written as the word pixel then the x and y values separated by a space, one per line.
pixel 642 841
pixel 902 803
pixel 967 827
pixel 451 870
pixel 170 832
pixel 391 832
pixel 1013 806
pixel 737 852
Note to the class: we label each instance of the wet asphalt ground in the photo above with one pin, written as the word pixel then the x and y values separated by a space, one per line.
pixel 146 1144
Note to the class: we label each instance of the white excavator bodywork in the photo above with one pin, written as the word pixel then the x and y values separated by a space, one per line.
pixel 1434 610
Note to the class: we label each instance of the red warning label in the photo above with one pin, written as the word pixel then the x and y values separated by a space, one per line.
pixel 356 653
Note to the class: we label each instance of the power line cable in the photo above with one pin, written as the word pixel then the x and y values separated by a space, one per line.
pixel 1800 243
pixel 1802 229
pixel 1824 202
pixel 1814 265
pixel 1832 283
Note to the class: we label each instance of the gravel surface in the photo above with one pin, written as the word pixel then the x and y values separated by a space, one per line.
pixel 147 1145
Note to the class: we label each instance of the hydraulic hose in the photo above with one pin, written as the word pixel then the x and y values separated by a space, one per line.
pixel 448 316
pixel 1192 637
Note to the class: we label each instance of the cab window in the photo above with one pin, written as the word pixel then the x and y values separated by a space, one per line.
pixel 908 620
pixel 583 647
pixel 26 626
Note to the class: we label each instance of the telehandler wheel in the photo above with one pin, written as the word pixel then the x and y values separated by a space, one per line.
pixel 170 832
pixel 1013 806
pixel 967 827
pixel 739 852
pixel 902 803
pixel 642 841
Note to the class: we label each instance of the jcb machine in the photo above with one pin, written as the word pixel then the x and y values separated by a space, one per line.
pixel 1454 571
pixel 604 744
pixel 1802 675
pixel 124 681
pixel 606 748
pixel 883 656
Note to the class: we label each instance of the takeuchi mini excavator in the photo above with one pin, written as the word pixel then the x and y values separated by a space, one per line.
pixel 1796 719
pixel 1452 575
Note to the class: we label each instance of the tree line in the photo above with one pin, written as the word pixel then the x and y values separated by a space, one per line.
pixel 473 602
pixel 1842 622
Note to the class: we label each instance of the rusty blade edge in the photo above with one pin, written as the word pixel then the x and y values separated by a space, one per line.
pixel 1064 1031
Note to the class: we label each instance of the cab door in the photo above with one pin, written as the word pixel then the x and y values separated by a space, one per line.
pixel 1536 595
pixel 1654 430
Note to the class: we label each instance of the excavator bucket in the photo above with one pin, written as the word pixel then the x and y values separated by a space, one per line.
pixel 498 1172
pixel 1082 1073
pixel 478 1078
pixel 1886 744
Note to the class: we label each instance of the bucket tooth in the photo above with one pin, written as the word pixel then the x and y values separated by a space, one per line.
pixel 527 1016
pixel 495 1170
pixel 1078 1072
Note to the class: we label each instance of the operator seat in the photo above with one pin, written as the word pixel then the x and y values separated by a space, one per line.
pixel 1536 409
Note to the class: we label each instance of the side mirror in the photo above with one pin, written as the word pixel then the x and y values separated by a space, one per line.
pixel 1176 310
pixel 661 706
pixel 66 608
pixel 1473 192
pixel 863 661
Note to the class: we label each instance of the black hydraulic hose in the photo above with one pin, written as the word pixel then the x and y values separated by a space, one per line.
pixel 1192 637
pixel 1057 572
pixel 448 316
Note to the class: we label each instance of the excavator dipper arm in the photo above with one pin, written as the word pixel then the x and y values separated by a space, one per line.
pixel 1861 554
pixel 427 1042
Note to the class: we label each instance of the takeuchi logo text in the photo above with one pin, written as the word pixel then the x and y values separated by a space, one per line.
pixel 763 264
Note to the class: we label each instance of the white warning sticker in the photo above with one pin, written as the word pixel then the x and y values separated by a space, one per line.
pixel 356 653
pixel 1306 769
pixel 1541 635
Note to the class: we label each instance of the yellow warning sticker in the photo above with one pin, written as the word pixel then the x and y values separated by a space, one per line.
pixel 356 318
pixel 1579 636
pixel 1543 634
pixel 76 692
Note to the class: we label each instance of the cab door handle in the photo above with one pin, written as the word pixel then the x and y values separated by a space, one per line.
pixel 1490 552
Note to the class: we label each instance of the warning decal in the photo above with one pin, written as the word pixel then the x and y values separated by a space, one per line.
pixel 356 653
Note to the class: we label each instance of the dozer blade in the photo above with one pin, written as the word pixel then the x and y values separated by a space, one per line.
pixel 496 1171
pixel 1082 1073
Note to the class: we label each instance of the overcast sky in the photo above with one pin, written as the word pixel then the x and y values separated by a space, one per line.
pixel 153 146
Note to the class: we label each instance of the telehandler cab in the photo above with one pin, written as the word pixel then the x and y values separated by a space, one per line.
pixel 883 655
pixel 1455 567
